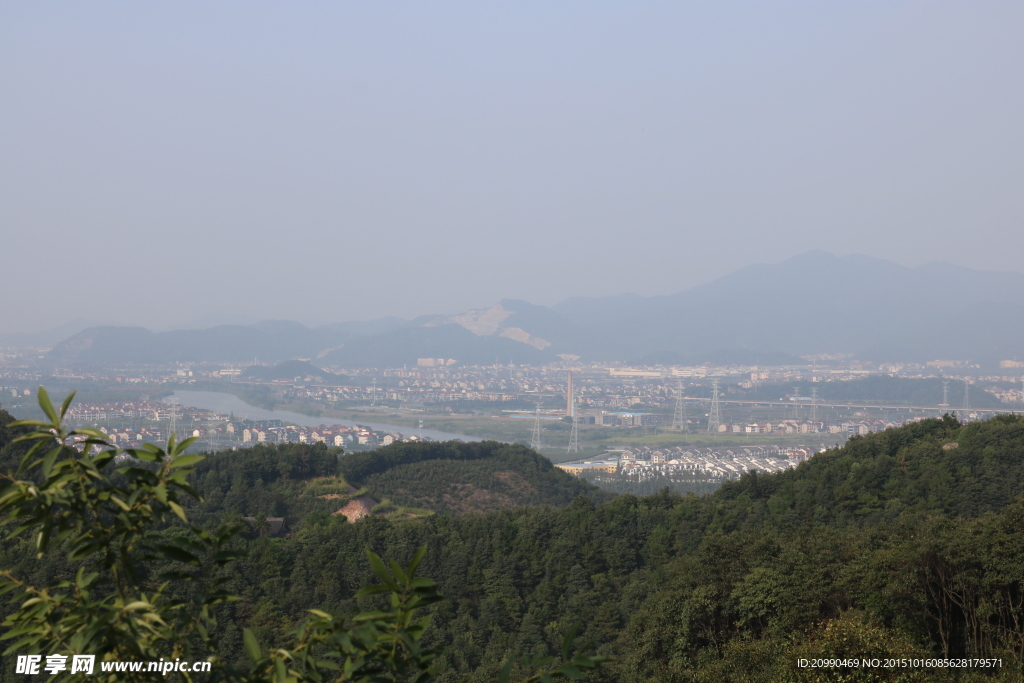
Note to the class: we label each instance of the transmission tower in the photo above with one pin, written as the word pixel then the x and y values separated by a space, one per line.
pixel 679 420
pixel 967 397
pixel 945 393
pixel 535 437
pixel 574 436
pixel 174 418
pixel 814 404
pixel 715 415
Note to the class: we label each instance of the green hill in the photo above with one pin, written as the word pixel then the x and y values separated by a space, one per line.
pixel 899 543
pixel 289 370
pixel 905 544
pixel 934 467
pixel 267 479
pixel 457 477
pixel 294 480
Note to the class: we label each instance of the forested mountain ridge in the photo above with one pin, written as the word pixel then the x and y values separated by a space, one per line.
pixel 904 543
pixel 933 466
pixel 847 553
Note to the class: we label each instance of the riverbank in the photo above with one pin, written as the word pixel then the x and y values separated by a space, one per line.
pixel 229 404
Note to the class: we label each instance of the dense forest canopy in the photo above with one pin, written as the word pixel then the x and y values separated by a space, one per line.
pixel 904 543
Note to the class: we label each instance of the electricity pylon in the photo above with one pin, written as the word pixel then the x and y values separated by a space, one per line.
pixel 679 419
pixel 535 437
pixel 173 427
pixel 814 404
pixel 715 415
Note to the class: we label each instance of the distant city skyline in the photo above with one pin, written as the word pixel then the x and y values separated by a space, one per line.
pixel 172 162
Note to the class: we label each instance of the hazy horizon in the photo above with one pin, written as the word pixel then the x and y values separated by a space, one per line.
pixel 171 163
pixel 213 319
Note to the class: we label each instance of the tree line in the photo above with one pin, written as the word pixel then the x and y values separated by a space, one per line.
pixel 901 544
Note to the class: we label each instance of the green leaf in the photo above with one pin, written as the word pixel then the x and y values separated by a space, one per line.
pixel 252 648
pixel 67 403
pixel 399 574
pixel 177 554
pixel 416 559
pixel 48 461
pixel 177 510
pixel 47 407
pixel 102 459
pixel 570 671
pixel 186 460
pixel 226 533
pixel 145 454
pixel 380 570
pixel 224 556
pixel 27 423
pixel 567 643
pixel 184 444
pixel 43 539
pixel 26 462
pixel 503 676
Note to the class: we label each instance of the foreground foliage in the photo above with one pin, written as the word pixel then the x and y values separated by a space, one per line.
pixel 904 544
pixel 148 584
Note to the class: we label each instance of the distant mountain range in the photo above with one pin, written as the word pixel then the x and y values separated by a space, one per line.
pixel 46 338
pixel 761 314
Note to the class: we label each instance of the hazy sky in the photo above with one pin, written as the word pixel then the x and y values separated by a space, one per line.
pixel 327 161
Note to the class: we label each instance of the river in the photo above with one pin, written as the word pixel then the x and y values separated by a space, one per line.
pixel 225 404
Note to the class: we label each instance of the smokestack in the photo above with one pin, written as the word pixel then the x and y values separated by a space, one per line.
pixel 570 406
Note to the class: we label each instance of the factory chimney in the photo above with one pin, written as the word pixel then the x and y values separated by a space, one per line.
pixel 570 405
